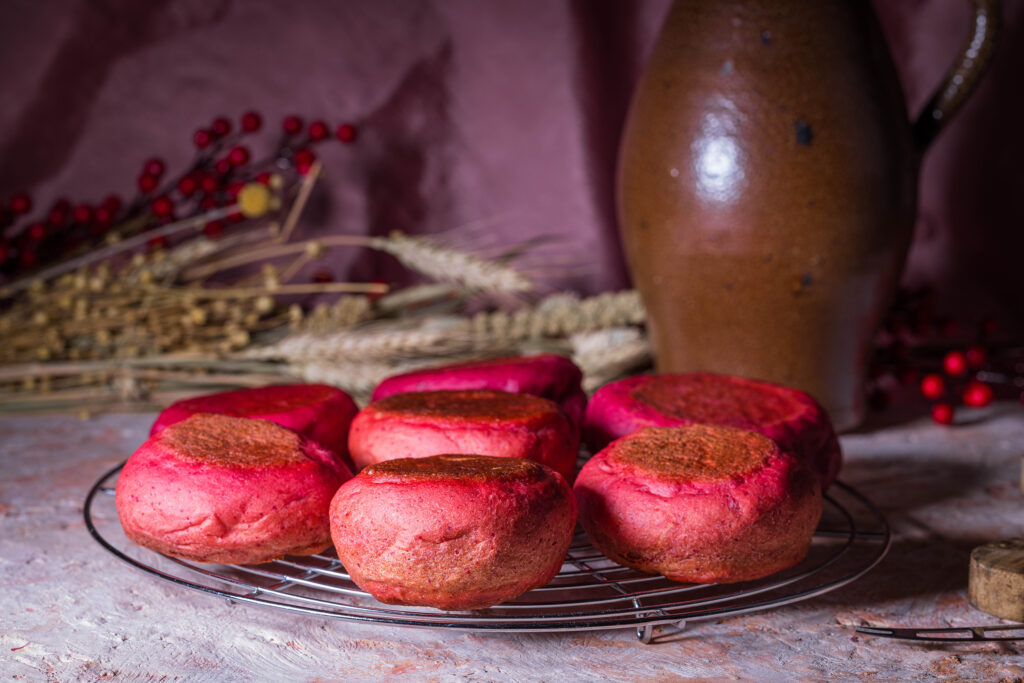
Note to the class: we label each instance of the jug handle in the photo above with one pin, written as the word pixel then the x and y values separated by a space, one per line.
pixel 965 74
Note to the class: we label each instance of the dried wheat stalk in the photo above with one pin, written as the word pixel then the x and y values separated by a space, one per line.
pixel 443 264
pixel 604 355
pixel 145 329
pixel 556 316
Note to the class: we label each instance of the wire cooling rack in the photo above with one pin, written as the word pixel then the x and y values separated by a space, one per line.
pixel 590 592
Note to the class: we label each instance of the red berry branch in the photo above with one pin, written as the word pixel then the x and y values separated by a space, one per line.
pixel 951 371
pixel 222 164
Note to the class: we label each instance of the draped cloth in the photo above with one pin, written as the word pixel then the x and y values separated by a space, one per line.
pixel 487 121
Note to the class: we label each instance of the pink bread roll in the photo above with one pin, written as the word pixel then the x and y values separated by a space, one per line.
pixel 791 417
pixel 701 504
pixel 547 375
pixel 455 532
pixel 321 412
pixel 229 489
pixel 484 422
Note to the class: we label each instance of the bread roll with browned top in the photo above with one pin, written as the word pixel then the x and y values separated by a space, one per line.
pixel 321 412
pixel 700 504
pixel 547 375
pixel 789 416
pixel 232 490
pixel 455 532
pixel 483 422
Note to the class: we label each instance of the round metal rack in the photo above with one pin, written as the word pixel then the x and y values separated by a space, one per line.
pixel 590 592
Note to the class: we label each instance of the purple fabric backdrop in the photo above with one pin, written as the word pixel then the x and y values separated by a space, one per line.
pixel 503 115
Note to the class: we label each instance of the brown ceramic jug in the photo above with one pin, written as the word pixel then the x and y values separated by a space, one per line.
pixel 767 188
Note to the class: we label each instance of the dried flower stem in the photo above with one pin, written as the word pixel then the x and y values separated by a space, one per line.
pixel 305 189
pixel 107 252
pixel 274 251
pixel 313 288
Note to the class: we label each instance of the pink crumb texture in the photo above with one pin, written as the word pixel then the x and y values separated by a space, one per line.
pixel 791 417
pixel 229 511
pixel 717 530
pixel 546 375
pixel 452 542
pixel 321 412
pixel 542 434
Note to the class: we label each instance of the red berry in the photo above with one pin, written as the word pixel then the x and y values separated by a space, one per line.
pixel 933 386
pixel 942 413
pixel 976 356
pixel 208 203
pixel 28 258
pixel 988 326
pixel 214 229
pixel 221 126
pixel 907 376
pixel 187 186
pixel 239 156
pixel 955 363
pixel 234 188
pixel 876 370
pixel 977 394
pixel 21 203
pixel 318 130
pixel 103 215
pixel 292 125
pixel 948 327
pixel 112 203
pixel 57 216
pixel 304 160
pixel 83 213
pixel 162 206
pixel 223 166
pixel 878 399
pixel 346 132
pixel 209 184
pixel 251 121
pixel 323 276
pixel 376 295
pixel 202 138
pixel 158 242
pixel 36 231
pixel 235 217
pixel 147 183
pixel 154 166
pixel 263 177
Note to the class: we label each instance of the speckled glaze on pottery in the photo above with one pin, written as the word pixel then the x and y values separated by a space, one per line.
pixel 767 187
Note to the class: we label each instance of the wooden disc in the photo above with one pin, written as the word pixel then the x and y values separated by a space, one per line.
pixel 996 580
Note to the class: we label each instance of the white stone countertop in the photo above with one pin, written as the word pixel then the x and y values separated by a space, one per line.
pixel 69 610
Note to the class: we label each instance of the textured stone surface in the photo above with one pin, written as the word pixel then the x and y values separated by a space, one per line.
pixel 71 611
